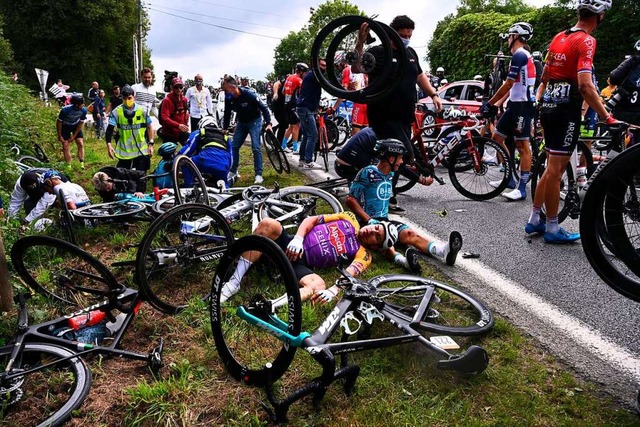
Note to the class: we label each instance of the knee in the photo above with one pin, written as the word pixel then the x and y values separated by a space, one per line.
pixel 269 227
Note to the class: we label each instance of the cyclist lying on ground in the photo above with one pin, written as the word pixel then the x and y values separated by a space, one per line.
pixel 321 241
pixel 369 199
pixel 112 182
pixel 73 194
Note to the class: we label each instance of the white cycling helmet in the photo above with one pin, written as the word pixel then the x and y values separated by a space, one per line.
pixel 522 29
pixel 390 235
pixel 340 57
pixel 595 6
pixel 637 46
pixel 439 70
pixel 478 77
pixel 207 121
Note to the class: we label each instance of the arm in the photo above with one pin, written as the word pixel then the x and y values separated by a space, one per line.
pixel 354 206
pixel 363 33
pixel 497 97
pixel 43 204
pixel 265 111
pixel 590 93
pixel 621 72
pixel 276 88
pixel 227 114
pixel 543 84
pixel 59 130
pixel 18 196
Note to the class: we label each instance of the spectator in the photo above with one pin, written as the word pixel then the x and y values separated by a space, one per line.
pixel 61 92
pixel 200 103
pixel 353 81
pixel 244 82
pixel 114 183
pixel 277 106
pixel 69 127
pixel 608 91
pixel 93 92
pixel 132 149
pixel 248 108
pixel 174 114
pixel 114 100
pixel 99 113
pixel 145 95
pixel 291 88
pixel 28 192
pixel 166 151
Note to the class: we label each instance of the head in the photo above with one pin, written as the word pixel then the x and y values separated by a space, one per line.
pixel 101 93
pixel 177 85
pixel 390 151
pixel 478 77
pixel 198 80
pixel 146 76
pixel 440 72
pixel 50 179
pixel 59 82
pixel 230 85
pixel 340 59
pixel 404 26
pixel 77 100
pixel 128 96
pixel 593 9
pixel 244 81
pixel 95 85
pixel 116 90
pixel 518 34
pixel 378 236
pixel 167 149
pixel 537 55
pixel 102 182
pixel 31 182
pixel 207 122
pixel 301 68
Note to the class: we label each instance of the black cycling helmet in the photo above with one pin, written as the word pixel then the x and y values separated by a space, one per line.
pixel 537 55
pixel 77 98
pixel 301 66
pixel 385 147
pixel 126 91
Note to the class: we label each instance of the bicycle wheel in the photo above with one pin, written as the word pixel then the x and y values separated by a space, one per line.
pixel 323 147
pixel 451 311
pixel 62 271
pixel 190 189
pixel 471 174
pixel 112 210
pixel 333 133
pixel 566 192
pixel 404 184
pixel 39 153
pixel 179 253
pixel 298 203
pixel 268 290
pixel 613 199
pixel 47 396
pixel 32 162
pixel 270 143
pixel 344 131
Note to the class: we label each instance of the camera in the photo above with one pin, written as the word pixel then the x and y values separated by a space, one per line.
pixel 617 96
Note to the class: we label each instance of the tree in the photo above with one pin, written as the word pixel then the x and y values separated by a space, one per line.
pixel 507 7
pixel 6 291
pixel 75 40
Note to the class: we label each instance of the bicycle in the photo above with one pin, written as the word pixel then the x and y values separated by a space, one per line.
pixel 44 376
pixel 275 153
pixel 327 137
pixel 258 330
pixel 472 161
pixel 342 119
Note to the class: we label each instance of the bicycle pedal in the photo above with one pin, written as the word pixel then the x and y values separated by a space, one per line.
pixel 155 358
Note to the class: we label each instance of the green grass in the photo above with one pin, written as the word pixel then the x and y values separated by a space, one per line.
pixel 399 386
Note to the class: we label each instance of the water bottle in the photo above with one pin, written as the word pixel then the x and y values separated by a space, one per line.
pixel 581 178
pixel 87 319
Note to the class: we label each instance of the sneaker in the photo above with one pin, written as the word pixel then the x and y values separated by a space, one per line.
pixel 413 256
pixel 541 228
pixel 396 209
pixel 258 180
pixel 340 191
pixel 490 160
pixel 81 165
pixel 454 246
pixel 511 186
pixel 312 165
pixel 562 236
pixel 515 195
pixel 228 290
pixel 286 149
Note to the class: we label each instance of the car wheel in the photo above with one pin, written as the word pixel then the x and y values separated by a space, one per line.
pixel 430 119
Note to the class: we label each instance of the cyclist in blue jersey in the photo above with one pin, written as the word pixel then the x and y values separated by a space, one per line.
pixel 69 127
pixel 369 199
pixel 320 241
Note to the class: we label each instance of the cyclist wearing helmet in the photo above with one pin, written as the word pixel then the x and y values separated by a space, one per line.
pixel 566 81
pixel 291 88
pixel 320 241
pixel 28 192
pixel 210 150
pixel 167 152
pixel 72 194
pixel 369 199
pixel 132 149
pixel 518 117
pixel 113 183
pixel 69 127
pixel 627 77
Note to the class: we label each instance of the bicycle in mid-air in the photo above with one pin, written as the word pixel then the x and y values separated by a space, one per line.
pixel 258 329
pixel 44 377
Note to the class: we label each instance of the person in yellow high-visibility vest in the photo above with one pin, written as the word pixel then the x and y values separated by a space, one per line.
pixel 135 145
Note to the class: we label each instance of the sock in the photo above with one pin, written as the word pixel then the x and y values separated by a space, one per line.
pixel 524 178
pixel 295 145
pixel 437 249
pixel 284 143
pixel 552 224
pixel 401 260
pixel 241 269
pixel 534 218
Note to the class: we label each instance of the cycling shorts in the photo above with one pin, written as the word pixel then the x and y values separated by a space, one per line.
pixel 292 117
pixel 359 115
pixel 561 129
pixel 300 267
pixel 67 131
pixel 347 172
pixel 516 121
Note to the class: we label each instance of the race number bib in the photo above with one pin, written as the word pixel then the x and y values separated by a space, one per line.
pixel 557 93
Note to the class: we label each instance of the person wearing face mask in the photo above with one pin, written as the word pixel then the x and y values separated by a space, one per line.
pixel 200 103
pixel 391 115
pixel 133 150
pixel 69 127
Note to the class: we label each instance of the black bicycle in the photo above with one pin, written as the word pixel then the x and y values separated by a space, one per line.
pixel 258 329
pixel 44 377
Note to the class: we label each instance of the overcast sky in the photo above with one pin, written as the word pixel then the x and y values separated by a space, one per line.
pixel 212 38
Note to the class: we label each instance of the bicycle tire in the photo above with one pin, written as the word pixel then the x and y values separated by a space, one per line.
pixel 245 349
pixel 308 197
pixel 333 134
pixel 404 184
pixel 122 209
pixel 198 187
pixel 39 153
pixel 467 180
pixel 177 256
pixel 63 386
pixel 32 162
pixel 272 150
pixel 344 131
pixel 472 317
pixel 62 271
pixel 614 266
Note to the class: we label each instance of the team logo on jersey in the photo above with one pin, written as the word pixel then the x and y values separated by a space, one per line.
pixel 384 191
pixel 337 238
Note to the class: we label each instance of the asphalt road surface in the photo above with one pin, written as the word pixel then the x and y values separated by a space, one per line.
pixel 549 291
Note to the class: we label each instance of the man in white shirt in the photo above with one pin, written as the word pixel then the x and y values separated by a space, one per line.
pixel 200 103
pixel 145 95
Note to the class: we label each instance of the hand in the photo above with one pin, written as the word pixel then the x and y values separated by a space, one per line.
pixel 437 103
pixel 488 111
pixel 324 296
pixel 610 120
pixel 150 150
pixel 373 221
pixel 363 33
pixel 269 127
pixel 183 128
pixel 425 180
pixel 138 194
pixel 111 151
pixel 22 229
pixel 294 248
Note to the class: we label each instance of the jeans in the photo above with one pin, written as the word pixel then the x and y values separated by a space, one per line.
pixel 310 130
pixel 243 129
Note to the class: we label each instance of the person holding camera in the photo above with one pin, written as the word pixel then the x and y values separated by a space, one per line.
pixel 625 101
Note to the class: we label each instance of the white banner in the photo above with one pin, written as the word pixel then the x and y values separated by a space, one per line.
pixel 43 75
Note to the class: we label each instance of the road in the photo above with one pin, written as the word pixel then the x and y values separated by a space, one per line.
pixel 549 291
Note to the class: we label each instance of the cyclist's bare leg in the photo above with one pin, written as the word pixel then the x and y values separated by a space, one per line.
pixel 66 151
pixel 550 183
pixel 309 285
pixel 80 145
pixel 524 149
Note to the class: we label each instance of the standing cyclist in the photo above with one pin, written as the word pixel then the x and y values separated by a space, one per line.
pixel 566 82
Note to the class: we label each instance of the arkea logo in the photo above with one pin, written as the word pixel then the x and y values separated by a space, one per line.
pixel 337 238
